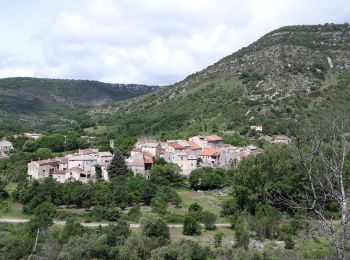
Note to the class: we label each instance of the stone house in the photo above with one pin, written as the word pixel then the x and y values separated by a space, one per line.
pixel 140 163
pixel 228 156
pixel 210 157
pixel 208 141
pixel 151 146
pixel 281 139
pixel 86 163
pixel 40 170
pixel 5 147
pixel 104 158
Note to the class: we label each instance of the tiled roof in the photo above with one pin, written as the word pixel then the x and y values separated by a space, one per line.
pixel 212 138
pixel 210 152
pixel 43 162
pixel 147 159
pixel 176 146
pixel 193 145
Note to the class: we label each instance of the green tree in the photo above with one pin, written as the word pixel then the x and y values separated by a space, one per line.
pixel 117 234
pixel 196 211
pixel 242 235
pixel 208 178
pixel 71 229
pixel 156 229
pixel 117 166
pixel 191 226
pixel 30 146
pixel 209 220
pixel 134 213
pixel 55 142
pixel 268 178
pixel 159 205
pixel 43 216
pixel 43 153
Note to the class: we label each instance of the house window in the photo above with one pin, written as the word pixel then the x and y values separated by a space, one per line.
pixel 71 173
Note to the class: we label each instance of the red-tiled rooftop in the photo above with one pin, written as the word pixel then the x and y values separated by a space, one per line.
pixel 210 152
pixel 212 138
pixel 147 159
pixel 43 162
pixel 193 145
pixel 176 146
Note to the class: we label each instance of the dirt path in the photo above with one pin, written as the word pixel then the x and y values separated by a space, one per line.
pixel 96 224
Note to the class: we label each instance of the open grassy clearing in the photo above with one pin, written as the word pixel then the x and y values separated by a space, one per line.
pixel 100 130
pixel 8 208
pixel 208 201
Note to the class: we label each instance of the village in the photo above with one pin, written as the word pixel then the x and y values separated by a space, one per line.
pixel 198 151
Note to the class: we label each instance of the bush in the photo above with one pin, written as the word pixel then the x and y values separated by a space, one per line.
pixel 156 229
pixel 134 213
pixel 196 211
pixel 159 205
pixel 218 239
pixel 242 235
pixel 191 226
pixel 265 222
pixel 207 178
pixel 209 220
pixel 289 242
pixel 229 207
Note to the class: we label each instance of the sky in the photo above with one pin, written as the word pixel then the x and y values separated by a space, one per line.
pixel 156 42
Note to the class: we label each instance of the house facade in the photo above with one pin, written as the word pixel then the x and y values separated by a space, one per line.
pixel 5 147
pixel 80 166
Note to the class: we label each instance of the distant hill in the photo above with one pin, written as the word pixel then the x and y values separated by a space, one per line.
pixel 44 104
pixel 288 73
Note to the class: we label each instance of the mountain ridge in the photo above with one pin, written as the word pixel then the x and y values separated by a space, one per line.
pixel 278 77
pixel 46 103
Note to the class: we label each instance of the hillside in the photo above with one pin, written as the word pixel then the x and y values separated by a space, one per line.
pixel 288 73
pixel 44 104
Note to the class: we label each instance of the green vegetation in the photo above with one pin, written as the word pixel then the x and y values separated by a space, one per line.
pixel 48 104
pixel 266 198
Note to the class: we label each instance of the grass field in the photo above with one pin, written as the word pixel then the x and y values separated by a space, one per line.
pixel 100 130
pixel 208 201
pixel 8 208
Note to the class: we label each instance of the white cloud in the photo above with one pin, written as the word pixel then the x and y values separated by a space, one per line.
pixel 162 41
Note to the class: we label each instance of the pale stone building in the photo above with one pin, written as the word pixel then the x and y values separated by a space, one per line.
pixel 208 141
pixel 281 139
pixel 140 163
pixel 5 147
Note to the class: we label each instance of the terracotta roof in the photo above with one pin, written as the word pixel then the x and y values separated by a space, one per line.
pixel 193 145
pixel 43 162
pixel 147 159
pixel 210 152
pixel 212 138
pixel 176 146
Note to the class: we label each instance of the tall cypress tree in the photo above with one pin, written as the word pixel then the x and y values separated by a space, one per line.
pixel 117 166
